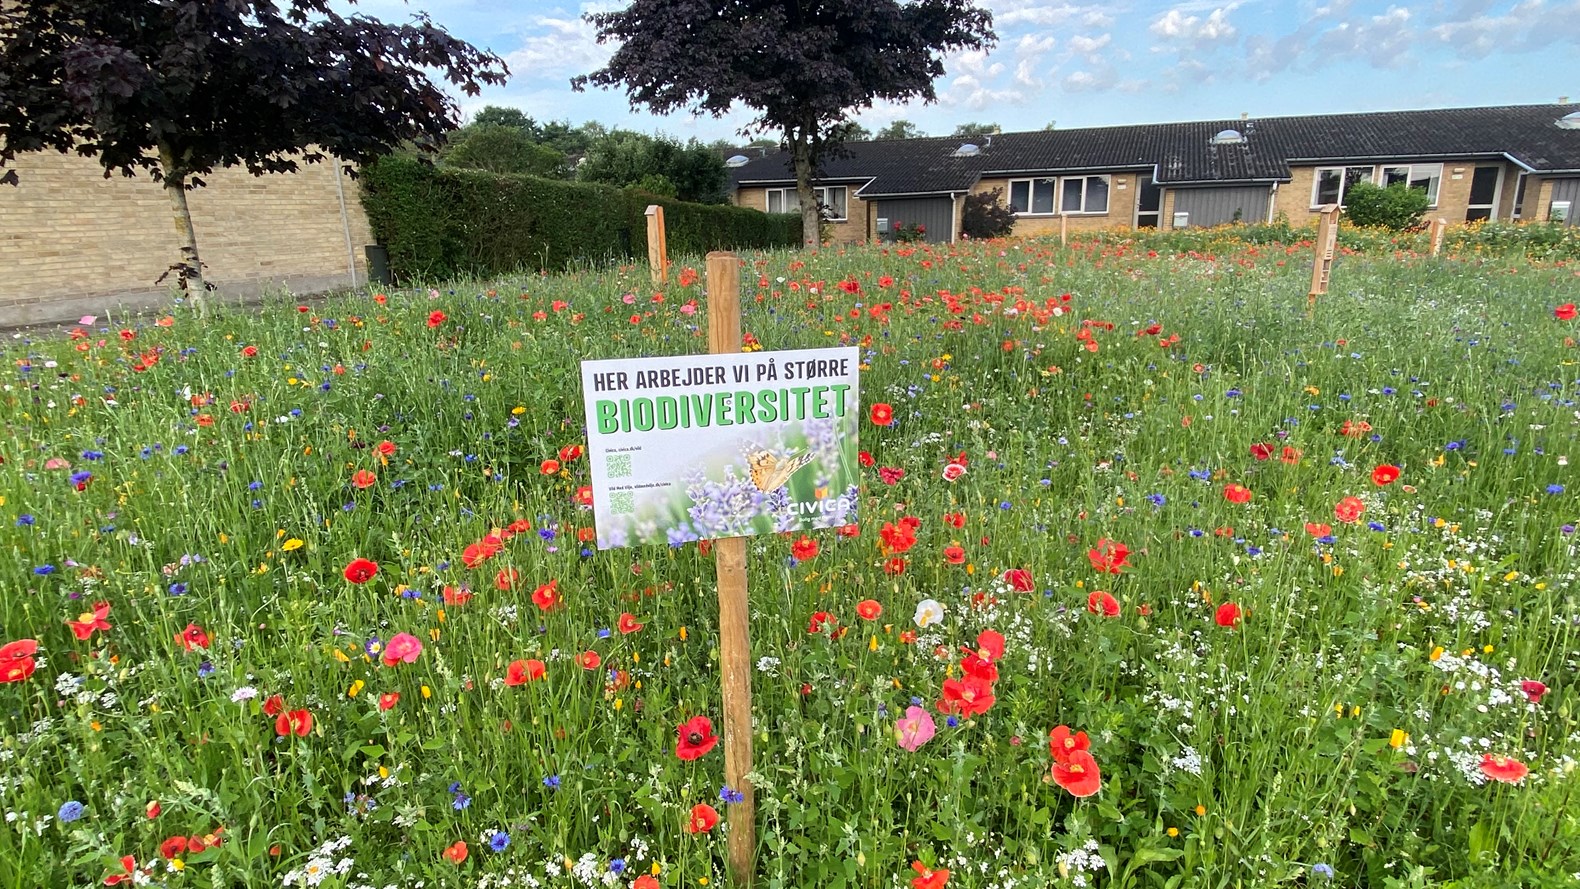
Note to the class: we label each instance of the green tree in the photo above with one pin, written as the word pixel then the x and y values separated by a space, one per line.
pixel 690 172
pixel 498 148
pixel 975 130
pixel 500 115
pixel 1396 207
pixel 901 129
pixel 802 67
pixel 176 89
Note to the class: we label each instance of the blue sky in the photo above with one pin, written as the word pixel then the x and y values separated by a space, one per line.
pixel 1107 63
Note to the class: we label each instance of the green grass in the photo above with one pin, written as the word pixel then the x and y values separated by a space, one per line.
pixel 1253 755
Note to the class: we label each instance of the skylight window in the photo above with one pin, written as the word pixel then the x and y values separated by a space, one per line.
pixel 1228 137
pixel 739 160
pixel 967 150
pixel 1570 121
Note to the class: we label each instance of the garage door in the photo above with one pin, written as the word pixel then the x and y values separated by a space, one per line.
pixel 1217 206
pixel 936 215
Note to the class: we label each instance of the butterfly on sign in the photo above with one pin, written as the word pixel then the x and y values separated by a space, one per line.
pixel 770 472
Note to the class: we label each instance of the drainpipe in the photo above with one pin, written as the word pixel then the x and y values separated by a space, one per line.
pixel 345 224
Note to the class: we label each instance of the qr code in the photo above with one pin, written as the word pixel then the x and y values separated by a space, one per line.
pixel 618 465
pixel 622 502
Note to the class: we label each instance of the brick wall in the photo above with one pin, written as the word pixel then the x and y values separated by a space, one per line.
pixel 1453 194
pixel 73 242
pixel 1122 196
pixel 854 230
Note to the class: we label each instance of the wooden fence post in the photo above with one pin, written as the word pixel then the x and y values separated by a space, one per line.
pixel 1437 228
pixel 735 655
pixel 658 246
pixel 1064 222
pixel 1322 265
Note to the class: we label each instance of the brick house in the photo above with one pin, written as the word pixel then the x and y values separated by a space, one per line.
pixel 1509 162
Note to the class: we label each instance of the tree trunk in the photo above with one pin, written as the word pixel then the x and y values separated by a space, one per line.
pixel 189 270
pixel 811 215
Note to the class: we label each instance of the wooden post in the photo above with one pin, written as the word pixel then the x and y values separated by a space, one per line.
pixel 1437 228
pixel 657 245
pixel 1322 265
pixel 729 554
pixel 1064 222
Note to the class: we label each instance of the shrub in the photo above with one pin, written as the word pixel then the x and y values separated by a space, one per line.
pixel 442 223
pixel 1396 207
pixel 908 232
pixel 985 215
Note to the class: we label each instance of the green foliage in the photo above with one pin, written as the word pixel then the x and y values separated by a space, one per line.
pixel 985 216
pixel 1534 240
pixel 691 172
pixel 440 223
pixel 909 232
pixel 1395 208
pixel 901 129
pixel 496 148
pixel 973 130
pixel 505 116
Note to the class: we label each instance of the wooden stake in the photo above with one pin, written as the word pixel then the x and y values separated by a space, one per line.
pixel 729 554
pixel 1322 265
pixel 1064 222
pixel 658 246
pixel 1437 228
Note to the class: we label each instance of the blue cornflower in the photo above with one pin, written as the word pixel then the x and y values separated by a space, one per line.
pixel 552 782
pixel 1455 445
pixel 546 533
pixel 460 802
pixel 44 570
pixel 254 485
pixel 181 449
pixel 1376 526
pixel 1555 489
pixel 1233 393
pixel 178 589
pixel 499 841
pixel 205 670
pixel 954 721
pixel 1157 499
pixel 78 479
pixel 70 811
pixel 1322 870
pixel 729 794
pixel 25 520
pixel 617 866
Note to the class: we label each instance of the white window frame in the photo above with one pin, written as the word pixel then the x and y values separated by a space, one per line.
pixel 1031 192
pixel 1085 193
pixel 790 200
pixel 1413 172
pixel 1316 181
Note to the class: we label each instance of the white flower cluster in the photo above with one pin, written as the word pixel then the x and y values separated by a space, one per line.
pixel 1078 863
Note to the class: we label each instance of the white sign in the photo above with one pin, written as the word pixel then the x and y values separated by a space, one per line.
pixel 698 447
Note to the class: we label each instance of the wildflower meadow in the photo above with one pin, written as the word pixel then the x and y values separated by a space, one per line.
pixel 1158 577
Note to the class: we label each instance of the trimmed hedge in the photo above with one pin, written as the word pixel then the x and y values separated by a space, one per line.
pixel 439 223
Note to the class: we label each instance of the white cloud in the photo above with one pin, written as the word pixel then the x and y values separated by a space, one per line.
pixel 1031 44
pixel 557 48
pixel 1475 34
pixel 1383 40
pixel 1026 73
pixel 1088 45
pixel 1180 25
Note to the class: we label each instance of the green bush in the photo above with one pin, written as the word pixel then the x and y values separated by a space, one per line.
pixel 1396 207
pixel 442 223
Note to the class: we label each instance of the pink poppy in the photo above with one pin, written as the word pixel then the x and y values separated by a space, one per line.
pixel 402 647
pixel 915 728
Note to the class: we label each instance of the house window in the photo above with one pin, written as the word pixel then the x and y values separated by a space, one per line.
pixel 1422 176
pixel 1333 182
pixel 1519 196
pixel 1085 194
pixel 1031 196
pixel 833 198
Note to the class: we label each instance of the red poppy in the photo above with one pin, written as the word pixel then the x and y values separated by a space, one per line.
pixel 1385 475
pixel 897 538
pixel 1533 690
pixel 386 448
pixel 970 696
pixel 703 818
pixel 1077 772
pixel 819 618
pixel 955 519
pixel 695 738
pixel 16 660
pixel 570 452
pixel 1103 603
pixel 894 566
pixel 1565 312
pixel 865 459
pixel 869 609
pixel 363 478
pixel 590 660
pixel 804 549
pixel 1227 615
pixel 1261 451
pixel 522 672
pixel 882 414
pixel 1062 742
pixel 477 553
pixel 361 570
pixel 389 700
pixel 128 863
pixel 173 847
pixel 1503 768
pixel 457 595
pixel 927 878
pixel 850 530
pixel 953 471
pixel 192 637
pixel 456 852
pixel 1237 494
pixel 547 596
pixel 584 495
pixel 249 351
pixel 506 578
pixel 954 554
pixel 89 621
pixel 890 475
pixel 1290 455
pixel 549 467
pixel 294 722
pixel 273 705
pixel 627 624
pixel 436 318
pixel 1349 509
pixel 1109 556
pixel 1318 529
pixel 1019 580
pixel 646 881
